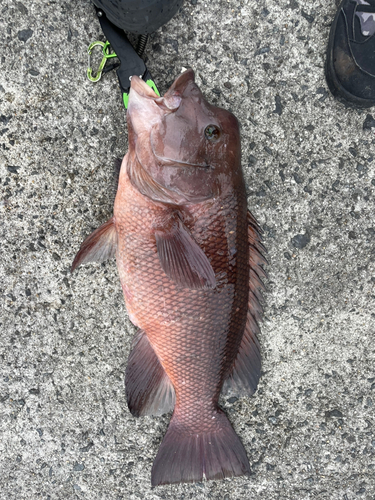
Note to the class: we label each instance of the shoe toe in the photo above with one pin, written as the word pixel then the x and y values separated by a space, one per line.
pixel 346 75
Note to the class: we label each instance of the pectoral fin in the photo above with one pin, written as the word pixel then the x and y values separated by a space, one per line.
pixel 99 246
pixel 182 260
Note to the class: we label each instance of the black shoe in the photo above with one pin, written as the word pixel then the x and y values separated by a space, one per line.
pixel 350 65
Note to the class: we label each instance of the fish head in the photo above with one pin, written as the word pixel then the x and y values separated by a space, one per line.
pixel 182 147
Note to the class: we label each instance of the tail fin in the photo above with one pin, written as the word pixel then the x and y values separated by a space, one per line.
pixel 184 457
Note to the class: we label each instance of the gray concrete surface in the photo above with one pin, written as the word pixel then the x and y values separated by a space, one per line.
pixel 66 432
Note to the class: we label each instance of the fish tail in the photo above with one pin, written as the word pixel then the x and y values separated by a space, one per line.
pixel 187 457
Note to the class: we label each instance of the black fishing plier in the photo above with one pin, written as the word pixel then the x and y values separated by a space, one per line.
pixel 130 61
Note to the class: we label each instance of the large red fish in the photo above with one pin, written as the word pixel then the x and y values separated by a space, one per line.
pixel 190 262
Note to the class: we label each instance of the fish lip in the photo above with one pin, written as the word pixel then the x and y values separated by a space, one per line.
pixel 141 88
pixel 181 82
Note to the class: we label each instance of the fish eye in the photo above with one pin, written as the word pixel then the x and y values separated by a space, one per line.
pixel 212 132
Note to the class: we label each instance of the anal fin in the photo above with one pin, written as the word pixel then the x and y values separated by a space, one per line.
pixel 149 390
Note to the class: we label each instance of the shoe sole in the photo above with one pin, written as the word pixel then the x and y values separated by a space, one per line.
pixel 337 90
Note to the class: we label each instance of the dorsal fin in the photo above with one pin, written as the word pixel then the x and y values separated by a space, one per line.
pixel 244 375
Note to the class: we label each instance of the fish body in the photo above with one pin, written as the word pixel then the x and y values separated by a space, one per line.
pixel 190 261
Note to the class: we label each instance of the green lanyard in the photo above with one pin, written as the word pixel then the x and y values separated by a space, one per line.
pixel 109 55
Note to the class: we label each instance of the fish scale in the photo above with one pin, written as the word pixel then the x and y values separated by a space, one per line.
pixel 202 324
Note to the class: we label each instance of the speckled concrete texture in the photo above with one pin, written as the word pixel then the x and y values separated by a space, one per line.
pixel 66 432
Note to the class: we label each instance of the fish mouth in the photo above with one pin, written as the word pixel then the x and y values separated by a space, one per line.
pixel 141 88
pixel 172 98
pixel 176 89
pixel 169 102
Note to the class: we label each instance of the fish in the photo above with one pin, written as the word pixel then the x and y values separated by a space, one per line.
pixel 191 264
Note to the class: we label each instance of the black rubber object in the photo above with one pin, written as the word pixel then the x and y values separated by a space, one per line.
pixel 131 63
pixel 139 16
